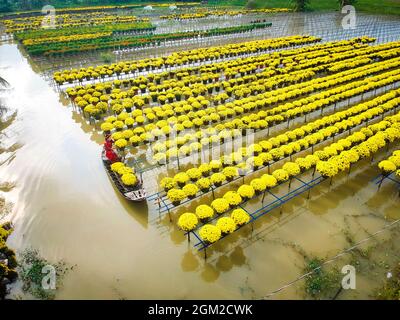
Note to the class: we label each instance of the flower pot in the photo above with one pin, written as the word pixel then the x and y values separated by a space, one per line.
pixel 217 184
pixel 204 220
pixel 181 184
pixel 215 170
pixel 176 203
pixel 205 174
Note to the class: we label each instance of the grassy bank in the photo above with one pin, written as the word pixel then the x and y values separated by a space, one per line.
pixel 369 6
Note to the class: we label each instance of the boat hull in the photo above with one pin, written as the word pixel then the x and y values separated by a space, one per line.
pixel 136 194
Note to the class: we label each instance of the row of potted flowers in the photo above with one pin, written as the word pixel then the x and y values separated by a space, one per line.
pixel 111 41
pixel 227 70
pixel 264 119
pixel 196 55
pixel 219 91
pixel 391 164
pixel 259 155
pixel 114 28
pixel 192 16
pixel 83 98
pixel 78 92
pixel 66 21
pixel 348 151
pixel 222 111
pixel 167 150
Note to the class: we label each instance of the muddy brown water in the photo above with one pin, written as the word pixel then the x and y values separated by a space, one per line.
pixel 66 207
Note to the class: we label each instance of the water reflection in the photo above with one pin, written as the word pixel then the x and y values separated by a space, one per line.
pixel 190 262
pixel 209 273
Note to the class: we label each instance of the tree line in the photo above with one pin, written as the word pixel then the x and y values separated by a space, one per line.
pixel 25 5
pixel 303 5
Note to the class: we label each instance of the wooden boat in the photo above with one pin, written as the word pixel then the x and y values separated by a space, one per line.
pixel 135 194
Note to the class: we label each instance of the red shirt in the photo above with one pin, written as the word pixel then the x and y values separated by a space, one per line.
pixel 108 145
pixel 112 156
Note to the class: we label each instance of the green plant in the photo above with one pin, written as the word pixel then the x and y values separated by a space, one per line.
pixel 390 290
pixel 301 5
pixel 30 271
pixel 320 283
pixel 8 262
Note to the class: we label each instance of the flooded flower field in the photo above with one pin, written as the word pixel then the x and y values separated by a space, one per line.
pixel 65 206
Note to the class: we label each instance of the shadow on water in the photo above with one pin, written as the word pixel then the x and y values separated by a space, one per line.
pixel 137 210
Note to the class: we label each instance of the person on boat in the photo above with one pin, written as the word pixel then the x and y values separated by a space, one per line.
pixel 111 155
pixel 108 145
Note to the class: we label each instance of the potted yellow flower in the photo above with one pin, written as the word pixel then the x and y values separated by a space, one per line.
pixel 226 225
pixel 187 221
pixel 204 212
pixel 176 196
pixel 209 233
pixel 240 217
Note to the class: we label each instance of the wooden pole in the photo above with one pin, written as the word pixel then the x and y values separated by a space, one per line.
pixel 309 194
pixel 265 191
pixel 380 183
